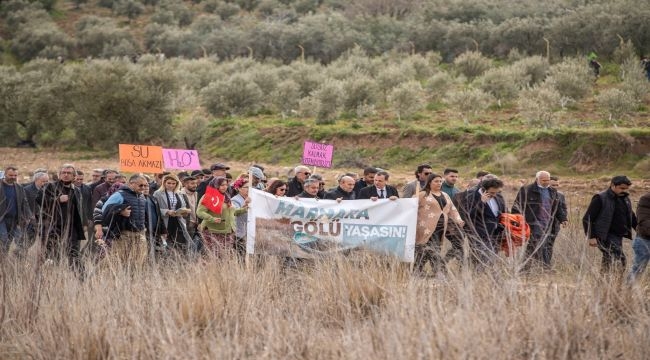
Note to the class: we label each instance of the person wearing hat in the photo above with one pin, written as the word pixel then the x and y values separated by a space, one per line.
pixel 257 176
pixel 198 175
pixel 216 170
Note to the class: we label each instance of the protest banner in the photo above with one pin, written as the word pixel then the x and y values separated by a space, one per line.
pixel 310 228
pixel 317 154
pixel 181 159
pixel 141 158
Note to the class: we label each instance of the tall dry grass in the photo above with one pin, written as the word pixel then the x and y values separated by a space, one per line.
pixel 358 307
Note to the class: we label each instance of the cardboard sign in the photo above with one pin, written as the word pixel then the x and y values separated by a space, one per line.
pixel 181 159
pixel 317 154
pixel 141 158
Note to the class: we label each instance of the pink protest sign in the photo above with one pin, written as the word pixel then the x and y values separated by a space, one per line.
pixel 181 159
pixel 317 154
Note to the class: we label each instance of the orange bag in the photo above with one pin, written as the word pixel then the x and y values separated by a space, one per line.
pixel 516 232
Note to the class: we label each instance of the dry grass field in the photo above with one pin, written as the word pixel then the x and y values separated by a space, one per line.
pixel 357 307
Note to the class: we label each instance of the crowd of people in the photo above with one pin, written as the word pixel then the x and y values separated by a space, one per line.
pixel 135 219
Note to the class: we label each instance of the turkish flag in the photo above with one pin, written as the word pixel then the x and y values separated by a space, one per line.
pixel 213 200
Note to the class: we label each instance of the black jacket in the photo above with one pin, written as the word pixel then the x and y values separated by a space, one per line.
pixel 339 193
pixel 483 223
pixel 294 187
pixel 643 216
pixel 529 203
pixel 371 191
pixel 56 217
pixel 598 218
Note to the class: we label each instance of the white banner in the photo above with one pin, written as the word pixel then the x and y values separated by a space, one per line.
pixel 310 228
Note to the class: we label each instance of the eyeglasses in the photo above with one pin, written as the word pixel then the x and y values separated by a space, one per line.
pixel 427 173
pixel 306 173
pixel 143 185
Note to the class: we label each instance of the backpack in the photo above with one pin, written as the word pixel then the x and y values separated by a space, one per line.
pixel 516 232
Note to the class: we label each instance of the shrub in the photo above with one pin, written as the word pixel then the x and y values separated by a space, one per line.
pixel 237 95
pixel 421 65
pixel 286 97
pixel 33 40
pixel 101 37
pixel 406 99
pixel 617 103
pixel 392 76
pixel 438 85
pixel 307 76
pixel 503 83
pixel 538 105
pixel 129 8
pixel 571 78
pixel 635 82
pixel 535 67
pixel 329 97
pixel 472 64
pixel 469 103
pixel 360 90
pixel 624 51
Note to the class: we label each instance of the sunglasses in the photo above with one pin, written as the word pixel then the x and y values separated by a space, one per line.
pixel 427 173
pixel 143 185
pixel 282 189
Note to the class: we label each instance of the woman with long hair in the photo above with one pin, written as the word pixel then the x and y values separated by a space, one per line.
pixel 175 211
pixel 218 229
pixel 434 210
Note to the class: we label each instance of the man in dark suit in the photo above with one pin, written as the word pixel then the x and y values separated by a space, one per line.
pixel 485 206
pixel 540 205
pixel 367 180
pixel 380 189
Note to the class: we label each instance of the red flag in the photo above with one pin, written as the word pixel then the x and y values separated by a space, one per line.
pixel 213 200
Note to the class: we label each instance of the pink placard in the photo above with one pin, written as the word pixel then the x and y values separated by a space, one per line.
pixel 317 154
pixel 181 159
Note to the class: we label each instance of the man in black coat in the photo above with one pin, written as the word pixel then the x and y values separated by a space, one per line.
pixel 380 188
pixel 608 219
pixel 367 180
pixel 540 205
pixel 486 204
pixel 345 190
pixel 61 218
pixel 15 213
pixel 295 184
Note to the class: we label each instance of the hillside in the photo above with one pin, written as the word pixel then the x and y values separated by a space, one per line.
pixel 387 84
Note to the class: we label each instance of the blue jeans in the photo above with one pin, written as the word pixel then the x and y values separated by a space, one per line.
pixel 641 249
pixel 9 231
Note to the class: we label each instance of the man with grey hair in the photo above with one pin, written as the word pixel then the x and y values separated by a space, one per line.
pixel 39 179
pixel 295 185
pixel 60 218
pixel 124 215
pixel 540 205
pixel 311 187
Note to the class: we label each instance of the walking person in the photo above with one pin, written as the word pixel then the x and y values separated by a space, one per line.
pixel 218 214
pixel 608 219
pixel 15 214
pixel 641 243
pixel 540 205
pixel 434 210
pixel 174 210
pixel 61 219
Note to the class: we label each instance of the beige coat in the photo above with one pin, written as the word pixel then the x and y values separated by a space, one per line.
pixel 429 212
